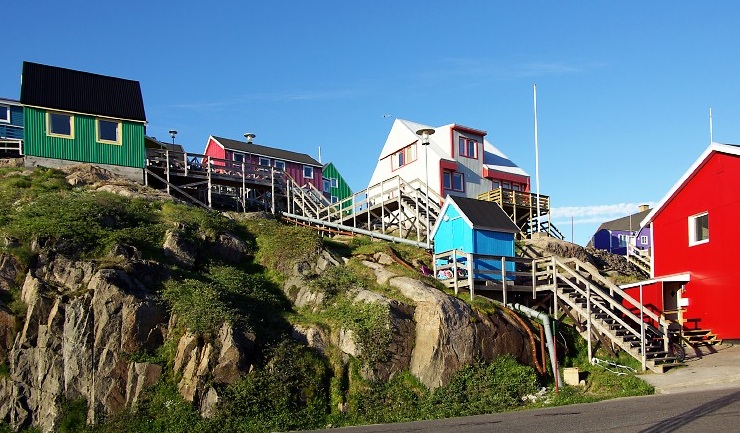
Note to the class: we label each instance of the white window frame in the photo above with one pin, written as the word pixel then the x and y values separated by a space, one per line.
pixel 310 172
pixel 334 182
pixel 326 184
pixel 237 157
pixel 334 199
pixel 280 165
pixel 6 109
pixel 643 240
pixel 71 125
pixel 264 162
pixel 693 235
pixel 119 131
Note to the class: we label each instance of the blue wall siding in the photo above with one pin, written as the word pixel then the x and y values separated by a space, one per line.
pixel 496 244
pixel 14 129
pixel 454 233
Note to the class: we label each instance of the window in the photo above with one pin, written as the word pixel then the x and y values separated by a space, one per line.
pixel 307 172
pixel 4 113
pixel 327 185
pixel 60 125
pixel 334 182
pixel 405 156
pixel 453 181
pixel 334 199
pixel 495 184
pixel 622 240
pixel 699 229
pixel 516 187
pixel 468 148
pixel 644 240
pixel 109 131
pixel 507 185
pixel 238 157
pixel 265 162
pixel 280 165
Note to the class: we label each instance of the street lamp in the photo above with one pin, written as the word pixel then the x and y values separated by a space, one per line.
pixel 172 134
pixel 424 134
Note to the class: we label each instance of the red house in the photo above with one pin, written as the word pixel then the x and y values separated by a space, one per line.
pixel 696 276
pixel 301 167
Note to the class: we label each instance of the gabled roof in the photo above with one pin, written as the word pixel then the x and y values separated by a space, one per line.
pixel 478 214
pixel 403 133
pixel 729 149
pixel 81 92
pixel 153 143
pixel 627 223
pixel 271 152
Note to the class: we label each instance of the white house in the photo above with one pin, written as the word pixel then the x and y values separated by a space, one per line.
pixel 461 161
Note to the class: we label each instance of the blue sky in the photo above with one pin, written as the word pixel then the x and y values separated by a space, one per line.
pixel 624 88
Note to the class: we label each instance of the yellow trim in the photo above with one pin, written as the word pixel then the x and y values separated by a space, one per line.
pixel 75 113
pixel 119 131
pixel 71 135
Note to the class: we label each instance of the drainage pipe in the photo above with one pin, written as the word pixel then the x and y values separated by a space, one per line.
pixel 548 336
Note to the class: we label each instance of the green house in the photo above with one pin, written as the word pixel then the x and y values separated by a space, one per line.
pixel 73 116
pixel 334 184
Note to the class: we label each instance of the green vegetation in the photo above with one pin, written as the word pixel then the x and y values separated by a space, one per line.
pixel 290 386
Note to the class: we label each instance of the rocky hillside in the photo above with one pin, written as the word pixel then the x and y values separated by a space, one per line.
pixel 112 296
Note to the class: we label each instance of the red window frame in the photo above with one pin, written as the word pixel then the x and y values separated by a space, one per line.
pixel 466 146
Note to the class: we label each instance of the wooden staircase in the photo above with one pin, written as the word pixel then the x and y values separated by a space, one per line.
pixel 700 337
pixel 601 310
pixel 639 258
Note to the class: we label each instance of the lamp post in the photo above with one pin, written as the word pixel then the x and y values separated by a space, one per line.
pixel 424 134
pixel 173 133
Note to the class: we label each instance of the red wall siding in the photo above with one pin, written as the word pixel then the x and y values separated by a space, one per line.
pixel 652 298
pixel 214 151
pixel 713 292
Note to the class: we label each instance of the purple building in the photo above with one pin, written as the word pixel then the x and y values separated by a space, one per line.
pixel 614 236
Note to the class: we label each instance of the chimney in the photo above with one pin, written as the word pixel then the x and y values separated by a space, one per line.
pixel 643 207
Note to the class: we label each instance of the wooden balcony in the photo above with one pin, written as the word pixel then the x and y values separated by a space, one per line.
pixel 520 206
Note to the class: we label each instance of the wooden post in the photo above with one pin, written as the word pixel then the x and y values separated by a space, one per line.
pixel 244 188
pixel 210 168
pixel 272 182
pixel 471 267
pixel 167 161
pixel 503 277
pixel 454 269
pixel 185 163
pixel 588 320
pixel 554 288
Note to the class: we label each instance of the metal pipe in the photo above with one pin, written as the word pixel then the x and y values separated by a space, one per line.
pixel 548 336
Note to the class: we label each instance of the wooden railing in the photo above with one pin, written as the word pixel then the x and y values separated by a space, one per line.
pixel 504 196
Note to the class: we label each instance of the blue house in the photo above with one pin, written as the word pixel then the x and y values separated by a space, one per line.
pixel 476 227
pixel 614 236
pixel 11 127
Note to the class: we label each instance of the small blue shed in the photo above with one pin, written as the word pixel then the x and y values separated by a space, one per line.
pixel 476 227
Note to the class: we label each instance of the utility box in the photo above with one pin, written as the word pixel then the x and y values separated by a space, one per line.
pixel 572 376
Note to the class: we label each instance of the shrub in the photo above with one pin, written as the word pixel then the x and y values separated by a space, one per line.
pixel 289 393
pixel 483 388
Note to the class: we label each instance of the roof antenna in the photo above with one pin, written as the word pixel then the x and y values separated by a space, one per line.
pixel 711 139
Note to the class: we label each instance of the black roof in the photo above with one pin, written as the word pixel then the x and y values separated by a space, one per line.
pixel 628 223
pixel 81 92
pixel 153 143
pixel 271 152
pixel 485 215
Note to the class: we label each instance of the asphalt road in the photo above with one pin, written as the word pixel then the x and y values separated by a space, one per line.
pixel 716 410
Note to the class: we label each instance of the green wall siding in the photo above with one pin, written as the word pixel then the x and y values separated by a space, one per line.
pixel 84 147
pixel 342 190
